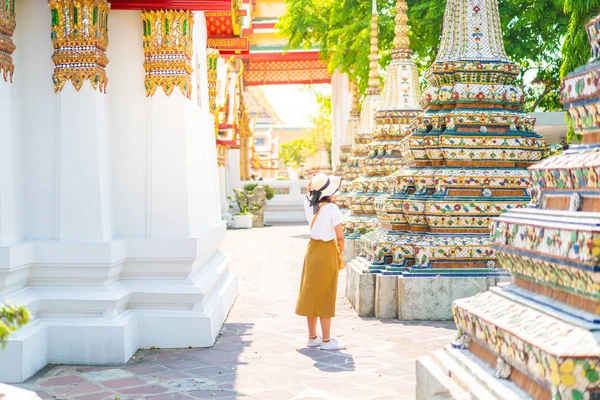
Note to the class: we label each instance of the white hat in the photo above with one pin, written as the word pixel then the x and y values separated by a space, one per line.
pixel 326 185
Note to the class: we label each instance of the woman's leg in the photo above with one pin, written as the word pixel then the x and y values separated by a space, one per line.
pixel 326 327
pixel 312 326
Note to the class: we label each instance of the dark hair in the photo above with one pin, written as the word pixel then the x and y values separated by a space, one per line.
pixel 326 199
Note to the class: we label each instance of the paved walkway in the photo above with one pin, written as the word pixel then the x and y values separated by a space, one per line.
pixel 260 353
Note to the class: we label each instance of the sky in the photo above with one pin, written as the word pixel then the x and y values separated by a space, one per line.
pixel 294 103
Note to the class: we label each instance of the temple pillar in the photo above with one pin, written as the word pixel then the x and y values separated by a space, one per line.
pixel 8 234
pixel 84 212
pixel 222 170
pixel 123 252
pixel 234 178
pixel 340 109
pixel 8 213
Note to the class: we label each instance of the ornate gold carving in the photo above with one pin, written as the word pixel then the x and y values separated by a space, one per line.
pixel 168 51
pixel 221 155
pixel 212 58
pixel 80 38
pixel 7 47
pixel 236 18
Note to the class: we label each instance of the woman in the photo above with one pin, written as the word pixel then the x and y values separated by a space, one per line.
pixel 318 289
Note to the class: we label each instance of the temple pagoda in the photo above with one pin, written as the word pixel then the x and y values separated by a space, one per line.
pixel 343 169
pixel 362 218
pixel 392 124
pixel 465 164
pixel 537 337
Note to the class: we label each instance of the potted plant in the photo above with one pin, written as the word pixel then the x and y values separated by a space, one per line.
pixel 243 219
pixel 257 196
pixel 11 319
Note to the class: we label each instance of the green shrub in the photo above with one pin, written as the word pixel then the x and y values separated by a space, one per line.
pixel 11 319
pixel 270 192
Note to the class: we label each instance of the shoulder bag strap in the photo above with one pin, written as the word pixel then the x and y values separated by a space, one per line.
pixel 315 217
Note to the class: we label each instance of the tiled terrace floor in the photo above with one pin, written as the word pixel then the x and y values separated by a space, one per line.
pixel 260 353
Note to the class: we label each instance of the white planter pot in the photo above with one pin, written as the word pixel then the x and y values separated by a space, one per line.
pixel 241 221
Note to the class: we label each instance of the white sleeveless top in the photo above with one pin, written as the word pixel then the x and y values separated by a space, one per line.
pixel 329 217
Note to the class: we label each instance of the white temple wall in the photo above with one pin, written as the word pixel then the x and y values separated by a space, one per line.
pixel 234 180
pixel 129 112
pixel 37 119
pixel 8 181
pixel 84 212
pixel 209 205
pixel 121 208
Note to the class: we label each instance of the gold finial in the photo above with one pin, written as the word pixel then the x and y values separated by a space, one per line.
pixel 374 56
pixel 401 40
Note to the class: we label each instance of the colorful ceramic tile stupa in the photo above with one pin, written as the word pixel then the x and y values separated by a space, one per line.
pixel 392 124
pixel 542 332
pixel 342 199
pixel 362 219
pixel 467 160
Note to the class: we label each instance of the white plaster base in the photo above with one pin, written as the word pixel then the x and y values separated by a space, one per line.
pixel 351 250
pixel 430 299
pixel 386 293
pixel 408 298
pixel 360 288
pixel 97 303
pixel 458 375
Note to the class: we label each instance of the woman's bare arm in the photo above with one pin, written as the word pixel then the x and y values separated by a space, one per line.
pixel 339 234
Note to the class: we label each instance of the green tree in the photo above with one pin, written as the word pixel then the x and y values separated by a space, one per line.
pixel 340 28
pixel 295 152
pixel 576 50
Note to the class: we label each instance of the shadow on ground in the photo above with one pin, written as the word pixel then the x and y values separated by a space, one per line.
pixel 329 361
pixel 157 374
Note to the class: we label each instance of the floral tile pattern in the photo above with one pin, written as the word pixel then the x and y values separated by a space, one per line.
pixel 546 323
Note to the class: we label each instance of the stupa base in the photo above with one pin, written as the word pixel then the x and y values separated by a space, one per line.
pixel 351 249
pixel 355 226
pixel 457 374
pixel 99 302
pixel 425 295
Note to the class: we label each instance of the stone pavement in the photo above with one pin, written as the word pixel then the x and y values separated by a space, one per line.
pixel 260 353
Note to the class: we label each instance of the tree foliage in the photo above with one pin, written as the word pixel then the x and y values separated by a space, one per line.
pixel 576 50
pixel 295 152
pixel 533 30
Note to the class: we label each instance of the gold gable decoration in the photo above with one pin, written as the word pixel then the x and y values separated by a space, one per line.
pixel 168 51
pixel 7 47
pixel 80 38
pixel 236 17
pixel 212 58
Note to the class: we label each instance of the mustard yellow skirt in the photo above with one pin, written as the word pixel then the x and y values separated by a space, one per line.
pixel 318 288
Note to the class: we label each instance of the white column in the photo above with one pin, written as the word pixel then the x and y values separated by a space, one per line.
pixel 129 124
pixel 233 171
pixel 340 108
pixel 223 189
pixel 37 115
pixel 7 179
pixel 84 211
